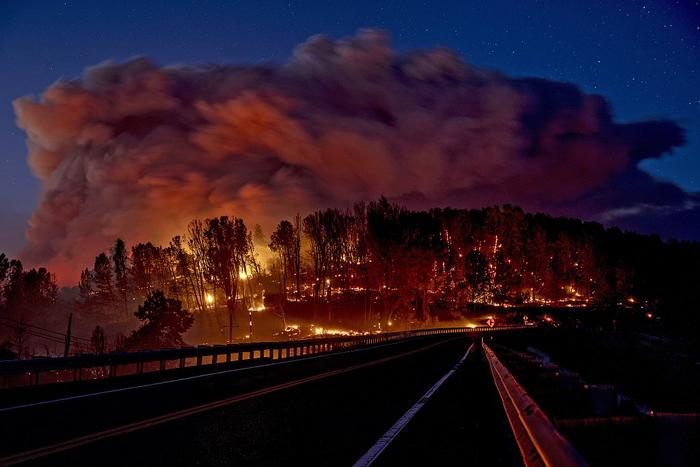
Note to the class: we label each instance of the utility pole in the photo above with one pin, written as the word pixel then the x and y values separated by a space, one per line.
pixel 66 349
pixel 20 336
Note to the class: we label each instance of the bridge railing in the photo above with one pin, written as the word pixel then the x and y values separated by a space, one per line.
pixel 540 443
pixel 109 365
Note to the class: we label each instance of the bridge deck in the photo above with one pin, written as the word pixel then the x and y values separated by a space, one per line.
pixel 331 420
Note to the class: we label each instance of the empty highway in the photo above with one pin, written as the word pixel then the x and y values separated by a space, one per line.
pixel 327 409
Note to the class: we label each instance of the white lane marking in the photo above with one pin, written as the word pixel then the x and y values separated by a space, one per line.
pixel 116 431
pixel 194 377
pixel 382 443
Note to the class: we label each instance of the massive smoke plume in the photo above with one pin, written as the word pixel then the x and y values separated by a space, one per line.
pixel 136 150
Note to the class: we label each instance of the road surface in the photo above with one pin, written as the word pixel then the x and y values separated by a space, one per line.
pixel 321 410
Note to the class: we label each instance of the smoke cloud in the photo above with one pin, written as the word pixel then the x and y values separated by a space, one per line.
pixel 137 150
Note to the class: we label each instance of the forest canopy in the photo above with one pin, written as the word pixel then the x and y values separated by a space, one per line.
pixel 395 265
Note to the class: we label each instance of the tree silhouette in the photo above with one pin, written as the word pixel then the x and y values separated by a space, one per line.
pixel 4 267
pixel 121 271
pixel 229 257
pixel 104 286
pixel 282 242
pixel 98 340
pixel 164 322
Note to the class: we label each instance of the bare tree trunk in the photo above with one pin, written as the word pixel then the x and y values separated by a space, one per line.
pixel 297 254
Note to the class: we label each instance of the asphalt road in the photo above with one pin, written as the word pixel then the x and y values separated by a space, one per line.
pixel 327 410
pixel 462 424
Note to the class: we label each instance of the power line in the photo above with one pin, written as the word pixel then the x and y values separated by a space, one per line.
pixel 52 339
pixel 35 334
pixel 50 331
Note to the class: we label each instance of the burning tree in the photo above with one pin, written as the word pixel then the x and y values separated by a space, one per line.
pixel 399 263
pixel 229 257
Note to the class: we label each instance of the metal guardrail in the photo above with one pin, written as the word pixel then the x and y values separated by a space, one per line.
pixel 36 371
pixel 540 443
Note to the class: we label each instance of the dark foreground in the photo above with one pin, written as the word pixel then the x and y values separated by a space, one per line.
pixel 336 408
pixel 318 411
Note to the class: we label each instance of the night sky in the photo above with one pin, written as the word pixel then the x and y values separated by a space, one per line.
pixel 643 56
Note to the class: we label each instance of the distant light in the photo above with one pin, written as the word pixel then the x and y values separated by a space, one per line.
pixel 209 298
pixel 243 275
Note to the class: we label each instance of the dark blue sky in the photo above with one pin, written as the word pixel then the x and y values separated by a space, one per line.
pixel 643 56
